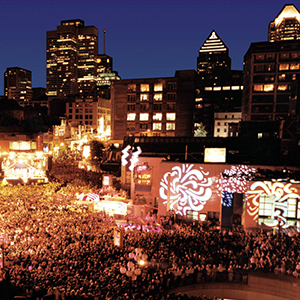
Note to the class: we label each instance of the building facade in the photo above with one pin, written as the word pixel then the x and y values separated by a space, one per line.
pixel 286 26
pixel 223 122
pixel 154 106
pixel 271 70
pixel 74 66
pixel 221 187
pixel 17 85
pixel 271 81
pixel 219 89
pixel 72 51
pixel 93 115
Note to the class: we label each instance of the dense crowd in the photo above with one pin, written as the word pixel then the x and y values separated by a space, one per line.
pixel 57 250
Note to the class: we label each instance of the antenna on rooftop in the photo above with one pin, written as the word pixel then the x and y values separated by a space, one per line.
pixel 104 31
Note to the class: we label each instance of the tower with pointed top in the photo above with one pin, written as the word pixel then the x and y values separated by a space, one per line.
pixel 219 89
pixel 213 56
pixel 286 26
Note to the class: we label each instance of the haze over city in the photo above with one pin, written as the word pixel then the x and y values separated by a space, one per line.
pixel 145 38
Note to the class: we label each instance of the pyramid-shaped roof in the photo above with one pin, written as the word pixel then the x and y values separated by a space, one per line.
pixel 213 44
pixel 288 11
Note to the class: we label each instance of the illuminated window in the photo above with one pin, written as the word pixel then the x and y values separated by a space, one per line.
pixel 131 87
pixel 270 67
pixel 144 117
pixel 208 88
pixel 157 116
pixel 158 87
pixel 198 99
pixel 292 208
pixel 295 66
pixel 144 97
pixel 144 87
pixel 226 88
pixel 158 97
pixel 131 117
pixel 258 87
pixel 281 77
pixel 170 126
pixel 156 126
pixel 235 87
pixel 268 87
pixel 217 88
pixel 282 87
pixel 283 67
pixel 171 116
pixel 266 208
pixel 192 215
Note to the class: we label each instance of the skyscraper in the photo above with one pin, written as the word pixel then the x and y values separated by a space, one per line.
pixel 72 51
pixel 286 26
pixel 17 85
pixel 272 82
pixel 219 89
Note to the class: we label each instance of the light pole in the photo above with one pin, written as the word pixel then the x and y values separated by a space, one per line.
pixel 2 244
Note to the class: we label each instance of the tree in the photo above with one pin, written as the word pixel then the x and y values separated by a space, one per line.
pixel 96 151
pixel 200 131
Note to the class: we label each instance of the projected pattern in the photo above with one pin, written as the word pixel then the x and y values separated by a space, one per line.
pixel 188 187
pixel 281 191
pixel 236 179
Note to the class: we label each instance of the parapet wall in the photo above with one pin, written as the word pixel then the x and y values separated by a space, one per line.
pixel 258 287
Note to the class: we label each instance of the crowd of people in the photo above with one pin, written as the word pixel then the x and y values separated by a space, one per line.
pixel 54 249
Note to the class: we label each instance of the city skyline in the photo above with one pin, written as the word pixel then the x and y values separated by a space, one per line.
pixel 144 38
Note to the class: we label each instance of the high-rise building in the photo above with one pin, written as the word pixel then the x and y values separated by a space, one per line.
pixel 286 26
pixel 271 70
pixel 17 85
pixel 219 89
pixel 72 52
pixel 270 74
pixel 105 75
pixel 271 81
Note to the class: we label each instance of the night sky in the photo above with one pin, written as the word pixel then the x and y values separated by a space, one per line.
pixel 145 38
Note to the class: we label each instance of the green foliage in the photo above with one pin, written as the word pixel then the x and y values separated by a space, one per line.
pixel 200 131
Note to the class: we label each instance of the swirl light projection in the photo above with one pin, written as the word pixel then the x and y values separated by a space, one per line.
pixel 185 188
pixel 281 191
pixel 236 179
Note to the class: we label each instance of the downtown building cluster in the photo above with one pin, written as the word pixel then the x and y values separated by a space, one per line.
pixel 212 142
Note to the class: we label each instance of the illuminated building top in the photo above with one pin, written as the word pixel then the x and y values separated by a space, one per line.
pixel 213 44
pixel 286 26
